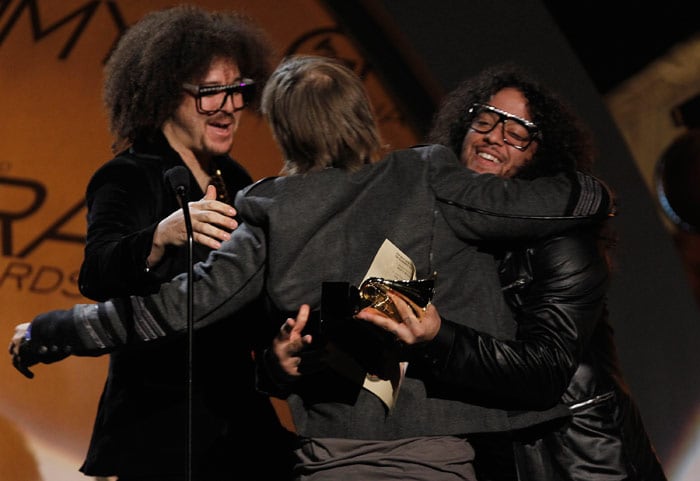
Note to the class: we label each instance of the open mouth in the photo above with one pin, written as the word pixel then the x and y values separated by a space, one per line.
pixel 221 127
pixel 489 157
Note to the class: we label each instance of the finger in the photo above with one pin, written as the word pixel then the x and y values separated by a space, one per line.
pixel 210 194
pixel 285 331
pixel 376 317
pixel 287 327
pixel 22 368
pixel 206 204
pixel 302 318
pixel 303 314
pixel 405 306
pixel 400 303
pixel 211 236
pixel 213 224
pixel 388 324
pixel 431 310
pixel 206 241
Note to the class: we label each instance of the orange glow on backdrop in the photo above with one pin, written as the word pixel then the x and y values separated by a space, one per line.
pixel 53 136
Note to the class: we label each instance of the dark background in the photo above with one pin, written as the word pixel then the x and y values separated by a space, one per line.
pixel 615 40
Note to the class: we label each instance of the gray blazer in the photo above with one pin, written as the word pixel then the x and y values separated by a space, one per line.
pixel 299 231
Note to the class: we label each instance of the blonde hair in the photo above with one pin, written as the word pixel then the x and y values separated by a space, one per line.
pixel 320 115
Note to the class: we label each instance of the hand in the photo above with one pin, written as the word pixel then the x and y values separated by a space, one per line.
pixel 15 344
pixel 289 343
pixel 212 223
pixel 414 328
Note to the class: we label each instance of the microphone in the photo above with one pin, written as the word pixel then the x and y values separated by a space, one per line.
pixel 178 178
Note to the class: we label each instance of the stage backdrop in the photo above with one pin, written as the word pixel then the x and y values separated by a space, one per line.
pixel 53 135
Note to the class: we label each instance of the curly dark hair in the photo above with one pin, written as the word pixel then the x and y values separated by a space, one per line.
pixel 565 143
pixel 145 72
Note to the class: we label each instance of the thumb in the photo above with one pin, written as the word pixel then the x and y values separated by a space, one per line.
pixel 210 194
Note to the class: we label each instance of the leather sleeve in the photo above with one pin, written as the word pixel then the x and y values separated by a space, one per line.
pixel 557 295
pixel 84 330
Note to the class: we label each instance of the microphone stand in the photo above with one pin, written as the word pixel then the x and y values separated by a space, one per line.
pixel 181 195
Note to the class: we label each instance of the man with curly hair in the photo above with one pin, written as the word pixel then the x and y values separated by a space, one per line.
pixel 175 90
pixel 503 121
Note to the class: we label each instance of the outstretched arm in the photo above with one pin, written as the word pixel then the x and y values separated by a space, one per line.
pixel 230 278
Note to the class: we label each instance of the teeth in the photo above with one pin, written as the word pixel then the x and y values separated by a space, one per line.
pixel 489 157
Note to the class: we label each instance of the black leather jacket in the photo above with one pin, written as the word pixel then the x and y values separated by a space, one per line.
pixel 556 288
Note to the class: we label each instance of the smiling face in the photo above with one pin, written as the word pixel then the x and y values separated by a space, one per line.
pixel 204 136
pixel 488 153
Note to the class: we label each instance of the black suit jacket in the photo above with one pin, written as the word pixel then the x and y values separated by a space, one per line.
pixel 141 422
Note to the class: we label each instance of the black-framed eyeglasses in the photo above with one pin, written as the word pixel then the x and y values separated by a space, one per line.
pixel 517 131
pixel 212 98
